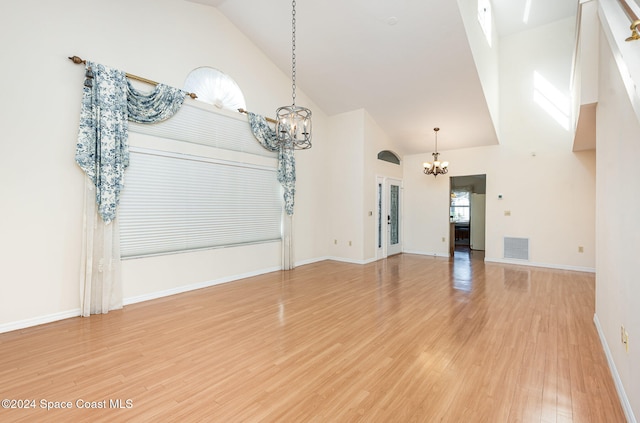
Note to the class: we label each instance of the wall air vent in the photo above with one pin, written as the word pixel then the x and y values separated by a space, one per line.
pixel 516 248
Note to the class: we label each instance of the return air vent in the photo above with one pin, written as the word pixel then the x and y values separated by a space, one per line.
pixel 516 248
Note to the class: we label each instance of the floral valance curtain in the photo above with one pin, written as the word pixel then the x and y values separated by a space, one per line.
pixel 286 159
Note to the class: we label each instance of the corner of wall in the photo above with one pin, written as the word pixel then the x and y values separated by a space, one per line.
pixel 624 400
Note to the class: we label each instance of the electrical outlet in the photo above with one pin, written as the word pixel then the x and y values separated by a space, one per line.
pixel 507 212
pixel 626 341
pixel 624 338
pixel 581 249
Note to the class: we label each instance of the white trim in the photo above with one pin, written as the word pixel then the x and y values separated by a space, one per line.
pixel 340 259
pixel 311 261
pixel 41 320
pixel 380 210
pixel 352 261
pixel 194 286
pixel 547 265
pixel 426 253
pixel 624 400
pixel 22 324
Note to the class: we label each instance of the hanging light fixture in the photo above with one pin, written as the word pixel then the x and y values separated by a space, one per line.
pixel 436 167
pixel 293 126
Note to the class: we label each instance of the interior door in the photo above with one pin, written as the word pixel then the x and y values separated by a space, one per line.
pixel 393 191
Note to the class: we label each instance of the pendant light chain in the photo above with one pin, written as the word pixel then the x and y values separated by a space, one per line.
pixel 293 51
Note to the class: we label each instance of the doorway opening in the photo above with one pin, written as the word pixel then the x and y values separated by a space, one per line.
pixel 467 212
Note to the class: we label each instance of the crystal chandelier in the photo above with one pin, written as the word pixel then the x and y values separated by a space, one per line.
pixel 436 167
pixel 293 126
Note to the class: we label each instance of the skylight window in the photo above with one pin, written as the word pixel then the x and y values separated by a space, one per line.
pixel 527 10
pixel 484 17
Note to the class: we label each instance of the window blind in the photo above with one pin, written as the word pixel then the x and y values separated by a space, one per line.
pixel 175 202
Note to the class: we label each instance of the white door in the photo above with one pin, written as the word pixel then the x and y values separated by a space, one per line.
pixel 393 192
pixel 388 212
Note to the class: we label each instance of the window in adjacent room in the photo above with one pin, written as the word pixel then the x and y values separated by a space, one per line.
pixel 460 206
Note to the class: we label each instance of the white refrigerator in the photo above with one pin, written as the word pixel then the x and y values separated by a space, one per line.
pixel 477 221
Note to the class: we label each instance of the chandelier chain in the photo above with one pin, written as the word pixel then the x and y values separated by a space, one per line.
pixel 436 142
pixel 293 51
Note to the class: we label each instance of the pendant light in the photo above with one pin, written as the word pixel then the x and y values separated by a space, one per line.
pixel 436 167
pixel 293 127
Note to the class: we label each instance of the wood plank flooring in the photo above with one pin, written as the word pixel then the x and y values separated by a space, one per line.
pixel 406 339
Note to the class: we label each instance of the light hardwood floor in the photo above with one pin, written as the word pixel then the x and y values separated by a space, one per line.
pixel 407 339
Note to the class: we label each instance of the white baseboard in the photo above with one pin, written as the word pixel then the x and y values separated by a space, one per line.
pixel 624 400
pixel 310 261
pixel 426 253
pixel 352 261
pixel 40 320
pixel 22 324
pixel 547 265
pixel 193 287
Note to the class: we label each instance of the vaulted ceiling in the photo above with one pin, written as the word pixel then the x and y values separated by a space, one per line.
pixel 407 62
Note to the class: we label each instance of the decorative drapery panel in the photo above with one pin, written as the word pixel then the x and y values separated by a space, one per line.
pixel 102 152
pixel 286 159
pixel 287 178
pixel 100 281
pixel 108 102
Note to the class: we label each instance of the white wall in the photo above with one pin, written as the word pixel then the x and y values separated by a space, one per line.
pixel 548 189
pixel 352 167
pixel 40 221
pixel 547 51
pixel 344 172
pixel 375 141
pixel 554 209
pixel 485 56
pixel 617 233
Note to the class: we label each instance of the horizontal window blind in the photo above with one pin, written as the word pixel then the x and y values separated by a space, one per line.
pixel 199 126
pixel 174 202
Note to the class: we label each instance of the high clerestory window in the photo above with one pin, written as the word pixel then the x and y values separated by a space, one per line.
pixel 484 17
pixel 389 156
pixel 215 87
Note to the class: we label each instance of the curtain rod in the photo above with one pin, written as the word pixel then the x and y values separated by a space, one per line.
pixel 77 60
pixel 634 20
pixel 268 119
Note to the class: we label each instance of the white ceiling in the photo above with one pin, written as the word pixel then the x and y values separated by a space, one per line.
pixel 411 75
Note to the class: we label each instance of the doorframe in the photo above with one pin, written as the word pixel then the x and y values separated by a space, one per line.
pixel 451 187
pixel 382 210
pixel 380 233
